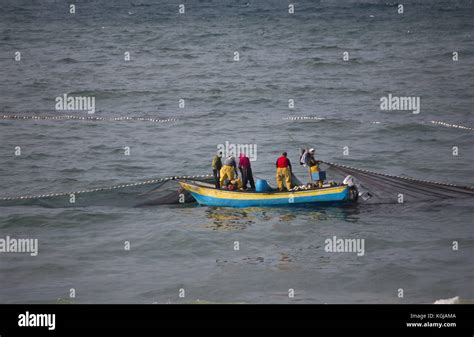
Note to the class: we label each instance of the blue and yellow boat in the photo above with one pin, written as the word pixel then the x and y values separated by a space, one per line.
pixel 207 194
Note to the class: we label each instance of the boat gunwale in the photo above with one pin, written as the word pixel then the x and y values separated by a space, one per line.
pixel 275 192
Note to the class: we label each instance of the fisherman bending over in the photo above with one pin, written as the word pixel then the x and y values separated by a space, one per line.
pixel 228 171
pixel 283 172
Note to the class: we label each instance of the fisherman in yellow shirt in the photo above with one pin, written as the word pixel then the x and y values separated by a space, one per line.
pixel 228 170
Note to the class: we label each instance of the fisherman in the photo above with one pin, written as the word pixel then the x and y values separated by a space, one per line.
pixel 216 168
pixel 283 172
pixel 228 171
pixel 307 159
pixel 246 172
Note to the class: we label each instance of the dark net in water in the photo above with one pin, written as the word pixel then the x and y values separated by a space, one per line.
pixel 383 188
pixel 165 191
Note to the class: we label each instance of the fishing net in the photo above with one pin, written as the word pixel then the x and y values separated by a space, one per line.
pixel 383 188
pixel 163 191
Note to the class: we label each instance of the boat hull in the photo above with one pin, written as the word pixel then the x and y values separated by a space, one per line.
pixel 221 198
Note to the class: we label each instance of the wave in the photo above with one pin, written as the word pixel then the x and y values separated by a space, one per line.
pixel 67 60
pixel 330 62
pixel 112 93
pixel 454 300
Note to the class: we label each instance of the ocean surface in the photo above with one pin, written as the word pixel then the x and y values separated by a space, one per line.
pixel 190 56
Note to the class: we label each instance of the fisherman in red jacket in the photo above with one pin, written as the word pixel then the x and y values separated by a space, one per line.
pixel 283 172
pixel 246 171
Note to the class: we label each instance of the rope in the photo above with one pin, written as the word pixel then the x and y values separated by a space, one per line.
pixel 295 118
pixel 439 123
pixel 451 125
pixel 101 189
pixel 156 120
pixel 90 118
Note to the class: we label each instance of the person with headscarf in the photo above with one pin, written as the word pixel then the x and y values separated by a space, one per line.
pixel 246 172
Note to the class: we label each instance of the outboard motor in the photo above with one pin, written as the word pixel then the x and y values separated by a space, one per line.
pixel 353 192
pixel 357 189
pixel 349 181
